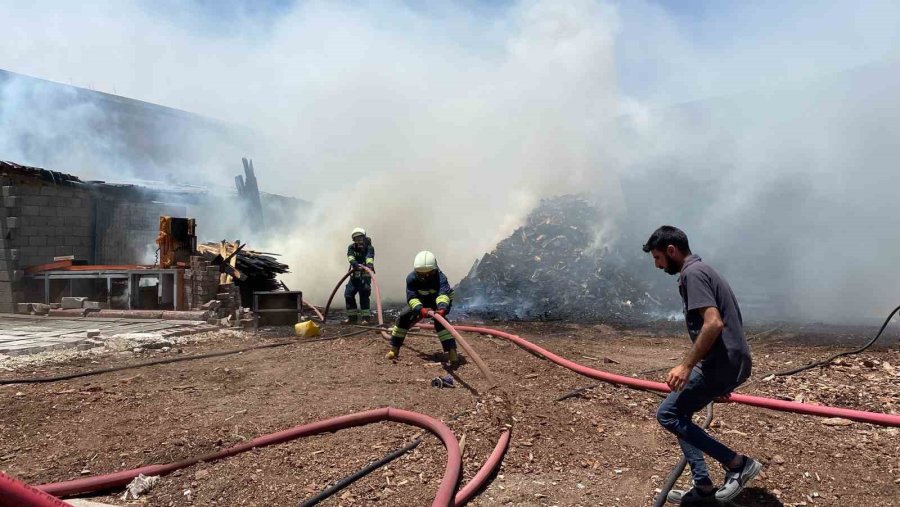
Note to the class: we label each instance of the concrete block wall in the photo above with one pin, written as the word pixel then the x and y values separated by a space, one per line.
pixel 201 282
pixel 127 230
pixel 40 221
pixel 45 221
pixel 8 254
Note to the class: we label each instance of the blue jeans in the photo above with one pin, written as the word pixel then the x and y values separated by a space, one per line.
pixel 674 414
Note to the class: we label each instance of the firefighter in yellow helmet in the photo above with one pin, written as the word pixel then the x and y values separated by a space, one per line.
pixel 426 289
pixel 359 253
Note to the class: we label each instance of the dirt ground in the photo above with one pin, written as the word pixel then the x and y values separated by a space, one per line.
pixel 603 447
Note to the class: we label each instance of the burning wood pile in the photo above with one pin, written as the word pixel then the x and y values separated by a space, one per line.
pixel 552 268
pixel 250 270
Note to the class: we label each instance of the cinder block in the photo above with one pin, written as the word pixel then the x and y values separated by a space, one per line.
pixel 23 308
pixel 78 231
pixel 50 211
pixel 9 254
pixel 8 190
pixel 11 276
pixel 11 202
pixel 37 241
pixel 27 254
pixel 94 305
pixel 31 210
pixel 7 307
pixel 72 302
pixel 12 222
pixel 34 221
pixel 49 191
pixel 46 251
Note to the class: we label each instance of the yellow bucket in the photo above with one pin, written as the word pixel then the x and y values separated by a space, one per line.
pixel 306 329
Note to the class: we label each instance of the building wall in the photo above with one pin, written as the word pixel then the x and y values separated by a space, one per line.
pixel 127 230
pixel 7 255
pixel 41 220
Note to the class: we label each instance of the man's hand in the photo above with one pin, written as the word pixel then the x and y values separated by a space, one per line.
pixel 677 377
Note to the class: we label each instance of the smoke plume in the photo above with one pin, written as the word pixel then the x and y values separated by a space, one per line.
pixel 766 131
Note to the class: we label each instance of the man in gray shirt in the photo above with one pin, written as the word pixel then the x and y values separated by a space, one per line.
pixel 718 361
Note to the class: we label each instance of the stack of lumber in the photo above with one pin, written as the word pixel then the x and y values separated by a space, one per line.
pixel 251 270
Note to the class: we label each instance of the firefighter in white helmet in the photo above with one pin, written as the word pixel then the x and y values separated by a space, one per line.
pixel 359 253
pixel 426 289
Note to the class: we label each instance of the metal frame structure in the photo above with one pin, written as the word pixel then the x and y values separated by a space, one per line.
pixel 168 281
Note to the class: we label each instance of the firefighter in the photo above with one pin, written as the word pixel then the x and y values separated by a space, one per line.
pixel 426 289
pixel 360 253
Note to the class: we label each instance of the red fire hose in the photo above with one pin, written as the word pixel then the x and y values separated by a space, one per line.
pixel 15 493
pixel 481 477
pixel 443 497
pixel 315 310
pixel 333 292
pixel 493 462
pixel 757 401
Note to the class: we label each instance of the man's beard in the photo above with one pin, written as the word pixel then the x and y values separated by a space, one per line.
pixel 671 268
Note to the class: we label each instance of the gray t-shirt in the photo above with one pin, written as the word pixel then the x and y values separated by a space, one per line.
pixel 701 286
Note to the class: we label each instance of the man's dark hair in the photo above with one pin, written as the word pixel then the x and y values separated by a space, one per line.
pixel 665 236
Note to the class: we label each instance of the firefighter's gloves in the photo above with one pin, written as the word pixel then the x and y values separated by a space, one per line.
pixel 442 311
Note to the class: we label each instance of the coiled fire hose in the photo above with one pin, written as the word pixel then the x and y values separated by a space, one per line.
pixel 20 495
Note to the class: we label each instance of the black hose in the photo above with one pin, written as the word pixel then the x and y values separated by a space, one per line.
pixel 359 474
pixel 576 392
pixel 69 376
pixel 840 354
pixel 676 472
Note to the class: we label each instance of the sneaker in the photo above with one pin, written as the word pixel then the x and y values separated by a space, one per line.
pixel 735 480
pixel 364 321
pixel 351 319
pixel 693 496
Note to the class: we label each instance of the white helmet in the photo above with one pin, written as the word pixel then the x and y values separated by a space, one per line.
pixel 425 262
pixel 359 231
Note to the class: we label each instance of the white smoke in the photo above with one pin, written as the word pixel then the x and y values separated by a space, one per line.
pixel 439 126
